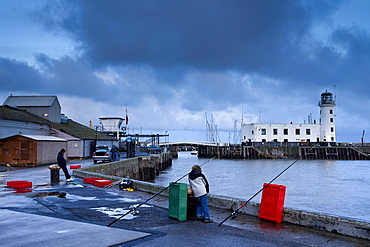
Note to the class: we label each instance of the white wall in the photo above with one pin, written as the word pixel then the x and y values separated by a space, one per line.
pixel 260 132
pixel 47 151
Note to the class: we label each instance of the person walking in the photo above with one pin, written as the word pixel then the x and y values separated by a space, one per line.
pixel 62 163
pixel 200 187
pixel 114 151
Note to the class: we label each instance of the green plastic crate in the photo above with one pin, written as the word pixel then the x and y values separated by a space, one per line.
pixel 178 201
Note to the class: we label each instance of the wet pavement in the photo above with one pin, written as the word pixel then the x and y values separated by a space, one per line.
pixel 77 214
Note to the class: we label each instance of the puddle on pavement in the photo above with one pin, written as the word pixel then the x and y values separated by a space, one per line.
pixel 28 192
pixel 118 212
pixel 21 190
pixel 46 194
pixel 5 170
pixel 9 168
pixel 42 185
pixel 130 214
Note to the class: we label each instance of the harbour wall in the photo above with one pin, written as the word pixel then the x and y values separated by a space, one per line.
pixel 284 152
pixel 144 168
pixel 324 222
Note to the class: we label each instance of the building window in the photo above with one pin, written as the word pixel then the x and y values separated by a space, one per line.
pixel 308 132
pixel 252 132
pixel 331 119
pixel 332 129
pixel 332 139
pixel 263 140
pixel 263 131
pixel 275 131
pixel 297 131
pixel 275 140
pixel 285 140
pixel 285 131
pixel 331 111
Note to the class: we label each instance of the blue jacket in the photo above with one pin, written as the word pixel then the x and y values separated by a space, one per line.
pixel 61 160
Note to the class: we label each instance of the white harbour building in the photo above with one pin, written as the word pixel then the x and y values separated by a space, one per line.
pixel 275 134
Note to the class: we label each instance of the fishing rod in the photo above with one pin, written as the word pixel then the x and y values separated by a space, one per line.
pixel 133 210
pixel 264 187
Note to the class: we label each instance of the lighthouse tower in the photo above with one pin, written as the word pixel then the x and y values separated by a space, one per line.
pixel 327 129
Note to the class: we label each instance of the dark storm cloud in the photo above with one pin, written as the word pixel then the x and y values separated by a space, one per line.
pixel 355 58
pixel 76 78
pixel 73 77
pixel 17 76
pixel 258 36
pixel 264 38
pixel 54 76
pixel 175 38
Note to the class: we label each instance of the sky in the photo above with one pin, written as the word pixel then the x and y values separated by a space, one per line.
pixel 176 65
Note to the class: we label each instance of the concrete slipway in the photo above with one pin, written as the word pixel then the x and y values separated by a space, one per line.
pixel 77 215
pixel 37 230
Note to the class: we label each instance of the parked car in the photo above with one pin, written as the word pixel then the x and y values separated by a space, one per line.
pixel 154 149
pixel 102 153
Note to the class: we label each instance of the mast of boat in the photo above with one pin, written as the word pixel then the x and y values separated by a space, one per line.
pixel 211 130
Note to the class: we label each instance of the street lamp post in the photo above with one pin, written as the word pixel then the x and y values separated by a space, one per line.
pixel 165 140
pixel 96 136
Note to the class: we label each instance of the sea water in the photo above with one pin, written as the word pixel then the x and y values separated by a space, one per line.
pixel 332 187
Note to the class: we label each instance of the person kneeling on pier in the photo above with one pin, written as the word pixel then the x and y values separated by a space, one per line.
pixel 200 187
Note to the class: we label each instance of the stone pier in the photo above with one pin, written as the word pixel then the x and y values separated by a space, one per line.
pixel 143 168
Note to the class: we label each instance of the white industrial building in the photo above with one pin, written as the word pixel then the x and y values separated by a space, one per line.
pixel 324 131
pixel 47 107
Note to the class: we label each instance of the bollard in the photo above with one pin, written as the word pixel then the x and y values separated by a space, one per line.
pixel 54 174
pixel 191 208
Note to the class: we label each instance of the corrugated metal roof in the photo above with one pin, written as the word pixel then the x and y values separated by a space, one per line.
pixel 20 101
pixel 44 138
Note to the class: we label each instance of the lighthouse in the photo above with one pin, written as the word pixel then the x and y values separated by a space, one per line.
pixel 327 116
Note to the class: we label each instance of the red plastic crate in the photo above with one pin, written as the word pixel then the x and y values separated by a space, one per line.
pixel 75 166
pixel 19 184
pixel 272 202
pixel 102 183
pixel 90 180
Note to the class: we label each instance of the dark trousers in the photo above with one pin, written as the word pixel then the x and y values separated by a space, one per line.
pixel 66 173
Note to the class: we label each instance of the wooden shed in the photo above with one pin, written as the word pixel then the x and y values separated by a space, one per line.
pixel 30 150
